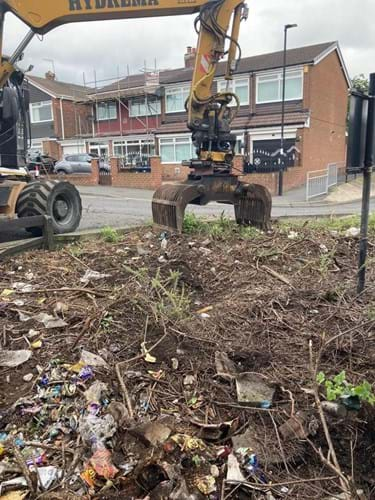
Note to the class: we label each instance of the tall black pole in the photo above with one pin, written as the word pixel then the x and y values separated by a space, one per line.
pixel 281 173
pixel 369 163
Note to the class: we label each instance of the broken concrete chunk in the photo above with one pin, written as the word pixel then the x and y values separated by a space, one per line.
pixel 252 389
pixel 11 359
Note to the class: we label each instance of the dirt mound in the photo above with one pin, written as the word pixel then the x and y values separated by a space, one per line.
pixel 185 367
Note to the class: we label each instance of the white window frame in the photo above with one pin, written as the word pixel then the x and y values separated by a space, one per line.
pixel 113 103
pixel 148 103
pixel 173 91
pixel 222 84
pixel 36 105
pixel 133 142
pixel 278 76
pixel 171 141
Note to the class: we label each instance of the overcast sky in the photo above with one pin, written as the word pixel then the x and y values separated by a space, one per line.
pixel 110 47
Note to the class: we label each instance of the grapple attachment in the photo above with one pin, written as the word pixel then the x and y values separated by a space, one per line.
pixel 252 202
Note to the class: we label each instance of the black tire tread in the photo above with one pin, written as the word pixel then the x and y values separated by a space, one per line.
pixel 33 200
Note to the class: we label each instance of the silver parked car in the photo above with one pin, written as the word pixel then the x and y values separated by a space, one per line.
pixel 78 164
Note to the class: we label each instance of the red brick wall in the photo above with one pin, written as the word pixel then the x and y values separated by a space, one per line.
pixel 75 117
pixel 82 179
pixel 53 149
pixel 137 180
pixel 326 95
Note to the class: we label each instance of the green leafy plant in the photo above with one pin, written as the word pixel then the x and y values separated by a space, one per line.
pixel 339 387
pixel 109 235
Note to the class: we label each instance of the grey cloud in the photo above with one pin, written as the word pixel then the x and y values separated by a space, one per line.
pixel 112 47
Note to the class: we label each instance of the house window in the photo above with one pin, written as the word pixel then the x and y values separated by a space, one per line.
pixel 270 87
pixel 135 153
pixel 41 112
pixel 175 98
pixel 106 111
pixel 239 86
pixel 144 107
pixel 176 149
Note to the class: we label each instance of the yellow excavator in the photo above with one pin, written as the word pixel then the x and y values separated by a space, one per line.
pixel 209 115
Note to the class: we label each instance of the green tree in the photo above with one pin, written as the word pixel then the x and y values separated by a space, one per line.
pixel 360 82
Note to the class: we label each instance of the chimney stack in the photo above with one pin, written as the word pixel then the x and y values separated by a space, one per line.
pixel 190 57
pixel 50 75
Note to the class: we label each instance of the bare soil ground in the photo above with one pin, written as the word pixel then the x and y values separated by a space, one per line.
pixel 281 305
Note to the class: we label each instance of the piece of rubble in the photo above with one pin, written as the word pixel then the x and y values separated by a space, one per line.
pixel 294 427
pixel 252 389
pixel 153 433
pixel 225 367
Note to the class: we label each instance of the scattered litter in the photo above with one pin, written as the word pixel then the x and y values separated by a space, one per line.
pixel 323 248
pixel 91 359
pixel 91 275
pixel 205 309
pixel 28 377
pixel 23 287
pixel 101 462
pixel 206 484
pixel 50 321
pixel 204 315
pixel 352 232
pixel 190 380
pixel 233 469
pixel 174 363
pixel 37 344
pixel 23 317
pixel 147 355
pixel 11 359
pixel 32 333
pixel 293 235
pixel 6 293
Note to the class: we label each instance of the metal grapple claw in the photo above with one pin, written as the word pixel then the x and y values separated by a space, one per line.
pixel 252 202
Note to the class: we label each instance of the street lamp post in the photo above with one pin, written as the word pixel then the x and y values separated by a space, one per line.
pixel 282 155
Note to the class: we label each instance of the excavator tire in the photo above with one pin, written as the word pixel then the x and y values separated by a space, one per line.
pixel 60 200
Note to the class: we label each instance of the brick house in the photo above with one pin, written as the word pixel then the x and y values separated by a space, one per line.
pixel 61 118
pixel 143 115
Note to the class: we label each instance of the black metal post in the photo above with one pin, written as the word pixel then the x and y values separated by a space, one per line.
pixel 282 156
pixel 369 163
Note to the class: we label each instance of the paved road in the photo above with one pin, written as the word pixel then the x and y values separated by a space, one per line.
pixel 118 207
pixel 122 207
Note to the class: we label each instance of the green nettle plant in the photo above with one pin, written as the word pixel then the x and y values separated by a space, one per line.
pixel 338 387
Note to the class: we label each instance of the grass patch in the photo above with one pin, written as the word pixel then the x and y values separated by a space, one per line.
pixel 220 228
pixel 339 224
pixel 109 235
